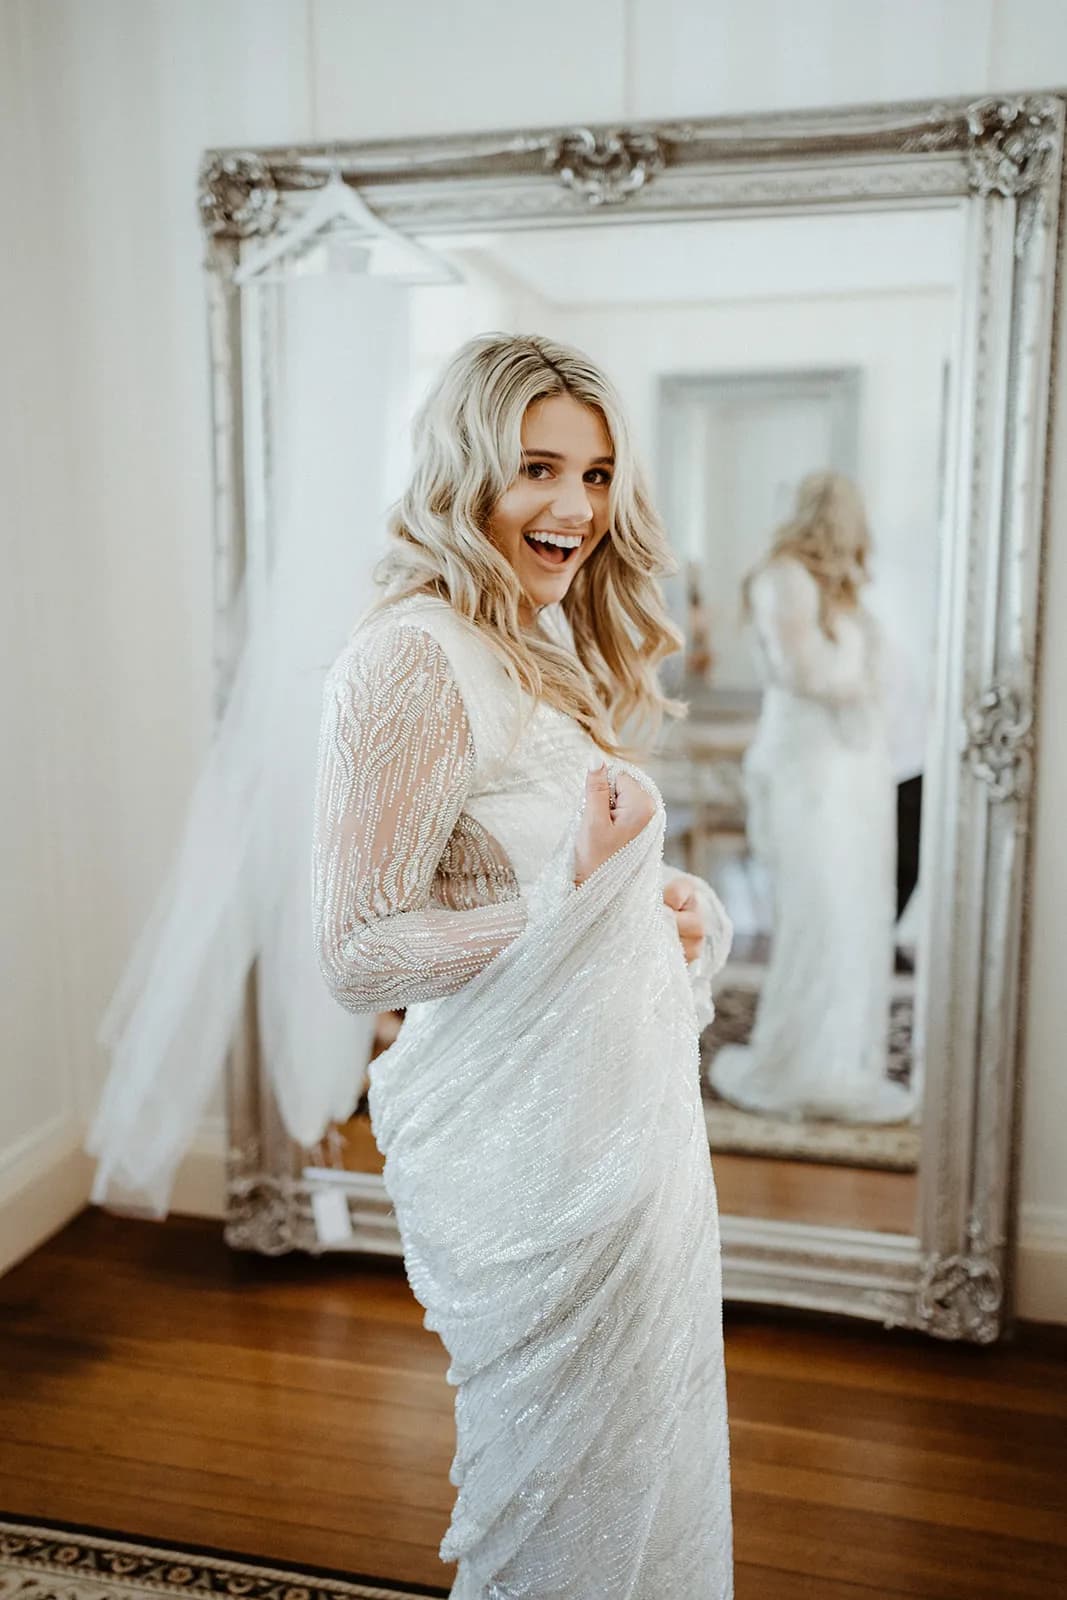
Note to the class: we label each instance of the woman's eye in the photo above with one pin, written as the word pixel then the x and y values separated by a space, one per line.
pixel 537 469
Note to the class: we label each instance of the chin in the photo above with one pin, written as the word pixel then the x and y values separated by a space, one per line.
pixel 545 594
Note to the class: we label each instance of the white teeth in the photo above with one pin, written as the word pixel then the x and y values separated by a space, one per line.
pixel 566 541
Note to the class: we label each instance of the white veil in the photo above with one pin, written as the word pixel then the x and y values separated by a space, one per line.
pixel 239 889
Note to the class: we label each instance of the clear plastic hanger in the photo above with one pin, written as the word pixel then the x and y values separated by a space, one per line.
pixel 407 260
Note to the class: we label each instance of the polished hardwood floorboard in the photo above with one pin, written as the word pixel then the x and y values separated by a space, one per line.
pixel 156 1383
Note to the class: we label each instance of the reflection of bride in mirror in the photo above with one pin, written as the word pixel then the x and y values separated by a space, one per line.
pixel 821 819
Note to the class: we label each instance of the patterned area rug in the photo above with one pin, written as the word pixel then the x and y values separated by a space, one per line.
pixel 840 1144
pixel 892 1148
pixel 53 1561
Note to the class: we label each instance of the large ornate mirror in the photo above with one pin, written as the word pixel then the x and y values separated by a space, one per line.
pixel 833 333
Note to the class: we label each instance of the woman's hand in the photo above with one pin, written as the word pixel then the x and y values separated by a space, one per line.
pixel 604 830
pixel 680 894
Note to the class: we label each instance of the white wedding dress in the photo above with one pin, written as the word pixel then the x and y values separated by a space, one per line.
pixel 821 817
pixel 540 1118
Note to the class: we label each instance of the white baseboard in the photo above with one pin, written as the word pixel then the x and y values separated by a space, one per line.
pixel 1041 1265
pixel 199 1187
pixel 46 1188
pixel 49 1183
pixel 200 1183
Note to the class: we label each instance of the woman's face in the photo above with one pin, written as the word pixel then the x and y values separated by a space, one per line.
pixel 562 491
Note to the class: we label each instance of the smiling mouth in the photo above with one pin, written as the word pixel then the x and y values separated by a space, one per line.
pixel 553 555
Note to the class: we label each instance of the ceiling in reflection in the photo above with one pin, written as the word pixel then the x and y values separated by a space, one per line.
pixel 747 258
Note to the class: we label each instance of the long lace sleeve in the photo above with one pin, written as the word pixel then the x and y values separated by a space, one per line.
pixel 396 759
pixel 785 607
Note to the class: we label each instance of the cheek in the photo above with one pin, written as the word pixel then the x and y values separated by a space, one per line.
pixel 513 511
pixel 601 512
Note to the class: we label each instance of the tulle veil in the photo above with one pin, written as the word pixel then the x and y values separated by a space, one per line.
pixel 238 891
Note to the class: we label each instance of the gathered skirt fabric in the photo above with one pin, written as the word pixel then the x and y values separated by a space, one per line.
pixel 547 1157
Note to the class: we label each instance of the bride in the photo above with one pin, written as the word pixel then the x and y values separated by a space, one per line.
pixel 821 817
pixel 479 863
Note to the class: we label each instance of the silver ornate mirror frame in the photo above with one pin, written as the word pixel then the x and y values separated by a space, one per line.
pixel 1001 159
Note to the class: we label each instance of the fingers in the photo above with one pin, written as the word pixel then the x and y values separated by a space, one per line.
pixel 600 789
pixel 597 776
pixel 597 789
pixel 633 807
pixel 690 925
pixel 680 894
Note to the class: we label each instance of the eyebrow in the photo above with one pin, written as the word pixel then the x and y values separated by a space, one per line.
pixel 555 455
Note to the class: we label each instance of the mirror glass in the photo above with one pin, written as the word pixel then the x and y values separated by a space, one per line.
pixel 788 379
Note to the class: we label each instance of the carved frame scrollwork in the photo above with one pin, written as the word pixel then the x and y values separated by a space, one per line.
pixel 238 195
pixel 1014 143
pixel 606 166
pixel 999 728
pixel 1000 159
pixel 961 1296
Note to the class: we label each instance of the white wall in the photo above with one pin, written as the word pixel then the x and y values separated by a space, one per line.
pixel 107 694
pixel 39 1114
pixel 110 105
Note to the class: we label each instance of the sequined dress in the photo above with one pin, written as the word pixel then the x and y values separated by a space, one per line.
pixel 820 817
pixel 540 1118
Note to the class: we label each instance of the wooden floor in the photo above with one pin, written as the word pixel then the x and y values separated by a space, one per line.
pixel 153 1382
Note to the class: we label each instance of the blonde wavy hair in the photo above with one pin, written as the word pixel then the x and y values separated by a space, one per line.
pixel 467 452
pixel 828 534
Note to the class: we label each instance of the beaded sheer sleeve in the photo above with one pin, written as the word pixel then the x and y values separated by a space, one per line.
pixel 396 761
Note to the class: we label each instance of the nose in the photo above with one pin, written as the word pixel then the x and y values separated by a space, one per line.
pixel 570 504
